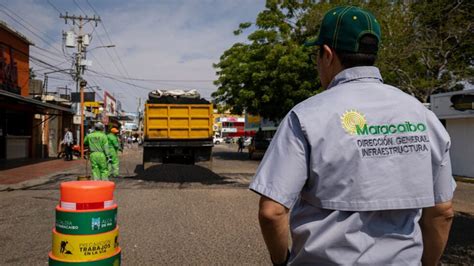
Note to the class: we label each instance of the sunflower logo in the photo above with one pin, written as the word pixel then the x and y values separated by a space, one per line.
pixel 350 119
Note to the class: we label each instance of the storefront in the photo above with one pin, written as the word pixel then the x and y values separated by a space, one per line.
pixel 22 126
pixel 231 126
pixel 21 117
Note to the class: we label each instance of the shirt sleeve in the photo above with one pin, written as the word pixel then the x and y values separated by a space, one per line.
pixel 284 168
pixel 443 181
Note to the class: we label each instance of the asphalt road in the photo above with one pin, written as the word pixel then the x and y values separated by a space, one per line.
pixel 179 215
pixel 168 215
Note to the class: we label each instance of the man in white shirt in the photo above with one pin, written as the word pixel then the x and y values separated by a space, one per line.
pixel 68 141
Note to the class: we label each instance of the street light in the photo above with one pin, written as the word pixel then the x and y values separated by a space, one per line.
pixel 102 46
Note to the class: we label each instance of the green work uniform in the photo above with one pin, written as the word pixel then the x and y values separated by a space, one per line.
pixel 99 154
pixel 114 148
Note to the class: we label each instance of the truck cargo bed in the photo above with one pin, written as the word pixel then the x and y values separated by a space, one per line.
pixel 177 131
pixel 178 121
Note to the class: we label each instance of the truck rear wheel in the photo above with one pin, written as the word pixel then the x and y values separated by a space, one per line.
pixel 151 156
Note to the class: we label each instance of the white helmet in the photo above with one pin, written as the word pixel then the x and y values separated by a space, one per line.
pixel 99 126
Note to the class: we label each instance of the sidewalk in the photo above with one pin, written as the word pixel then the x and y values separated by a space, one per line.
pixel 37 172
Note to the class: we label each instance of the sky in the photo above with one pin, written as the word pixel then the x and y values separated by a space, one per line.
pixel 162 44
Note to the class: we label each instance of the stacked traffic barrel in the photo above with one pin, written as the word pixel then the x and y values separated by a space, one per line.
pixel 86 231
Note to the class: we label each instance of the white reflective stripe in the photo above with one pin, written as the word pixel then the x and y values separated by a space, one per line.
pixel 108 203
pixel 68 205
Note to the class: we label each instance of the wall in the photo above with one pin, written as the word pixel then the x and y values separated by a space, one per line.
pixel 12 45
pixel 462 145
pixel 54 136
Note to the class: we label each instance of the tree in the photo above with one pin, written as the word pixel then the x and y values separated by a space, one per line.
pixel 443 47
pixel 272 73
pixel 426 47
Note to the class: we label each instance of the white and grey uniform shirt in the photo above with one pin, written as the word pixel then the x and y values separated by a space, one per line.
pixel 355 164
pixel 68 138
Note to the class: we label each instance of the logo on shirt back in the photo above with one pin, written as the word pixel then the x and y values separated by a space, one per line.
pixel 377 140
pixel 354 123
pixel 352 120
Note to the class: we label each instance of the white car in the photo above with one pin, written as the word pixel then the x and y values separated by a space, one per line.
pixel 218 140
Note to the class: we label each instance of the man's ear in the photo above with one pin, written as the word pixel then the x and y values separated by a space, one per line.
pixel 331 60
pixel 328 55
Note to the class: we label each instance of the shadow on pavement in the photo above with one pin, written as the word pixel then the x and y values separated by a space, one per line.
pixel 179 173
pixel 10 164
pixel 235 156
pixel 459 250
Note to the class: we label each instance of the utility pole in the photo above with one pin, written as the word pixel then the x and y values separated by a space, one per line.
pixel 80 21
pixel 139 111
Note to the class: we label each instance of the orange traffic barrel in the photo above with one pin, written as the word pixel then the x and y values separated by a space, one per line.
pixel 87 195
pixel 86 231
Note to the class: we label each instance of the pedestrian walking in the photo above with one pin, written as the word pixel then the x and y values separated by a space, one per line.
pixel 68 142
pixel 114 148
pixel 99 152
pixel 364 167
pixel 240 143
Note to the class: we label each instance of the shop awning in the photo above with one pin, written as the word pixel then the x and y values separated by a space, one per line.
pixel 38 105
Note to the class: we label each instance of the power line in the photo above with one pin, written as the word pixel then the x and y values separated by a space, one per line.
pixel 79 6
pixel 49 57
pixel 110 40
pixel 51 67
pixel 56 78
pixel 100 39
pixel 137 86
pixel 102 43
pixel 100 64
pixel 112 78
pixel 27 28
pixel 52 53
pixel 95 83
pixel 157 80
pixel 51 4
pixel 43 33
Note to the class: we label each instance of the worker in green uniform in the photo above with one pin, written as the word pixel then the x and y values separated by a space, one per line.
pixel 114 148
pixel 99 152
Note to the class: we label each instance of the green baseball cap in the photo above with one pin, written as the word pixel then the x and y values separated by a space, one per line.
pixel 343 26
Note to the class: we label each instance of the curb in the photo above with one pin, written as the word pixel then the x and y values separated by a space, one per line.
pixel 464 179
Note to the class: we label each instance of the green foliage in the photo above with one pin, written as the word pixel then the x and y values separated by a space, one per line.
pixel 427 47
pixel 272 73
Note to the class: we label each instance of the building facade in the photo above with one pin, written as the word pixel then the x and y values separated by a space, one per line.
pixel 21 117
pixel 456 112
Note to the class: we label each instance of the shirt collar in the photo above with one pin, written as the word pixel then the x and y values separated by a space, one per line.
pixel 366 73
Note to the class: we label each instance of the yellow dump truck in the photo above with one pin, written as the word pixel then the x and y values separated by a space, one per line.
pixel 180 130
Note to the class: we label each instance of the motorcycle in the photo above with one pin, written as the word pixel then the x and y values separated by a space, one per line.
pixel 76 151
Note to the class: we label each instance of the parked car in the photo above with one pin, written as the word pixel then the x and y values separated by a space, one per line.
pixel 228 140
pixel 218 140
